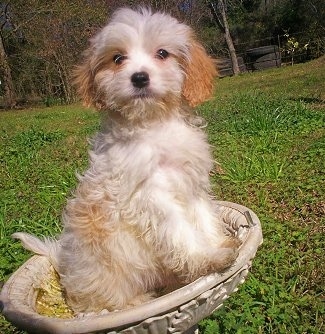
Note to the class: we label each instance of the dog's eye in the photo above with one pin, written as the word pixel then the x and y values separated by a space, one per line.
pixel 162 54
pixel 118 59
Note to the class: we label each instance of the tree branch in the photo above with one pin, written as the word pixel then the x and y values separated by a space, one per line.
pixel 215 15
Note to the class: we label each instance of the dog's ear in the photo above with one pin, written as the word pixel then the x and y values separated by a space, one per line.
pixel 200 72
pixel 83 80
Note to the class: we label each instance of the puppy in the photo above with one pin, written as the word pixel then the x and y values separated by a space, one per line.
pixel 141 218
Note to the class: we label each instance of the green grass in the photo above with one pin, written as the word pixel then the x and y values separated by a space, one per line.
pixel 40 152
pixel 267 130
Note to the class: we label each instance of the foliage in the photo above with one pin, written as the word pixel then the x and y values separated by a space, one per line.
pixel 292 46
pixel 42 41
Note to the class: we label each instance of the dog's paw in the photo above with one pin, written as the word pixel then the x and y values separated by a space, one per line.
pixel 225 255
pixel 214 260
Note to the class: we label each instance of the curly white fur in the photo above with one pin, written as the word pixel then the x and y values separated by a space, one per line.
pixel 141 218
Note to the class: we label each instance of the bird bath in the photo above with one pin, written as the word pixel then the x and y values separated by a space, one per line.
pixel 176 312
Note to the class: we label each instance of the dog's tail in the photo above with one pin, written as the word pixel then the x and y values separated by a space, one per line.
pixel 46 247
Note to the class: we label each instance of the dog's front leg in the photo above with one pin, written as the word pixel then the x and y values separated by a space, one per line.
pixel 185 247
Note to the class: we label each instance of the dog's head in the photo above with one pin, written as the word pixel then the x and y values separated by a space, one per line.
pixel 143 64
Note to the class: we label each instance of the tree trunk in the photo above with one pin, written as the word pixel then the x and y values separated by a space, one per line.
pixel 6 78
pixel 230 44
pixel 64 77
pixel 224 26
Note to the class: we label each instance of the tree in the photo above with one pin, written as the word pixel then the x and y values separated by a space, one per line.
pixel 9 96
pixel 218 11
pixel 54 35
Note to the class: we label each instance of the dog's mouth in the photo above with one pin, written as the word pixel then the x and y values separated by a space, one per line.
pixel 143 94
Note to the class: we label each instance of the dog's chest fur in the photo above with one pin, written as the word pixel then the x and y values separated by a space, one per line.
pixel 170 152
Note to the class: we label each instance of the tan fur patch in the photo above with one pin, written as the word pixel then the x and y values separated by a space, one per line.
pixel 200 74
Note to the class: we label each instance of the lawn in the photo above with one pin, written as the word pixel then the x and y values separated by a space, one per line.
pixel 268 136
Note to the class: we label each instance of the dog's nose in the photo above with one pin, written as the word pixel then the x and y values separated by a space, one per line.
pixel 140 79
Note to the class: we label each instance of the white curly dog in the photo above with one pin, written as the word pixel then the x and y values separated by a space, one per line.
pixel 141 219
